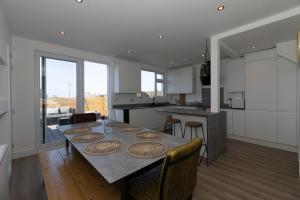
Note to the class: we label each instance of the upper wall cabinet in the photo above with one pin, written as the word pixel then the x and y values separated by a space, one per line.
pixel 233 74
pixel 181 81
pixel 127 77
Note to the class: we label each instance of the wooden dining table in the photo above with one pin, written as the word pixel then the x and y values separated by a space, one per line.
pixel 120 167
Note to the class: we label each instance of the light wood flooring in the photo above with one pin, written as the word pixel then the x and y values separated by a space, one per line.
pixel 246 172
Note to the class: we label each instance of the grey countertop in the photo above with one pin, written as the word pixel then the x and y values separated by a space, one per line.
pixel 186 111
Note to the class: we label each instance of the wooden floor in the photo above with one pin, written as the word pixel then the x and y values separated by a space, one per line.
pixel 246 171
pixel 250 171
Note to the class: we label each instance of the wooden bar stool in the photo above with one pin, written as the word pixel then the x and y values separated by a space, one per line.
pixel 173 121
pixel 195 125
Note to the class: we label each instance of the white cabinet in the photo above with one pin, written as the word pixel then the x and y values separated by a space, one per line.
pixel 261 125
pixel 287 128
pixel 233 74
pixel 153 120
pixel 127 77
pixel 239 122
pixel 261 85
pixel 229 120
pixel 287 102
pixel 181 81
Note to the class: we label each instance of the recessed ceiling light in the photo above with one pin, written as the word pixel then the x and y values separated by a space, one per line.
pixel 220 8
pixel 79 1
pixel 185 59
pixel 172 62
pixel 203 55
pixel 128 51
pixel 253 47
pixel 161 36
pixel 62 33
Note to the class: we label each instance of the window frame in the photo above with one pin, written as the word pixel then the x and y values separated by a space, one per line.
pixel 156 80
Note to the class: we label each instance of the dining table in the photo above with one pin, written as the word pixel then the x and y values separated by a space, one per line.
pixel 120 167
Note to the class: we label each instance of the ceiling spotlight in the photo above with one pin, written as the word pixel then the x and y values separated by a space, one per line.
pixel 79 1
pixel 253 47
pixel 172 62
pixel 161 36
pixel 128 51
pixel 62 33
pixel 220 8
pixel 185 59
pixel 203 55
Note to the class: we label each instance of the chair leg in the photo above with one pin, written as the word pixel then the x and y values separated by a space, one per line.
pixel 174 131
pixel 184 131
pixel 205 148
pixel 191 133
pixel 181 130
pixel 196 132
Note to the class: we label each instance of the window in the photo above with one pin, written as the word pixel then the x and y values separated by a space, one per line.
pixel 152 83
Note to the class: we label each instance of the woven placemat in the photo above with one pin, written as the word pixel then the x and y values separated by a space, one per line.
pixel 147 149
pixel 130 129
pixel 88 137
pixel 149 135
pixel 103 147
pixel 78 130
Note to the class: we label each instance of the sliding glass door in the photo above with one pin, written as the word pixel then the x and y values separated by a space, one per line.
pixel 57 95
pixel 68 86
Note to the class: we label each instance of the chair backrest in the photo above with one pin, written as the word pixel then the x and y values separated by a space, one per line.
pixel 83 117
pixel 179 173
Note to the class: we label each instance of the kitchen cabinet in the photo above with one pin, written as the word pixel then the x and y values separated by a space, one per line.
pixel 229 120
pixel 261 84
pixel 153 120
pixel 233 74
pixel 261 125
pixel 287 128
pixel 239 122
pixel 287 102
pixel 127 77
pixel 181 81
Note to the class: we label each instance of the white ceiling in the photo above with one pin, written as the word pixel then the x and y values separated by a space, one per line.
pixel 111 27
pixel 264 37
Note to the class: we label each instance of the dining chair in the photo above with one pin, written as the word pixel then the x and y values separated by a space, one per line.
pixel 83 118
pixel 175 179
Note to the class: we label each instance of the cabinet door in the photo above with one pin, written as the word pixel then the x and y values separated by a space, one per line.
pixel 261 85
pixel 287 128
pixel 127 77
pixel 261 125
pixel 239 122
pixel 287 86
pixel 181 81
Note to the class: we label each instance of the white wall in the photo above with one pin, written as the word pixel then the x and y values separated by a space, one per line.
pixel 24 136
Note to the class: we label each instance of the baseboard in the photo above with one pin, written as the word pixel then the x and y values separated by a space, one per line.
pixel 264 143
pixel 34 151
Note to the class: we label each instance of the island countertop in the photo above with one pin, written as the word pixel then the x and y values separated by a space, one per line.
pixel 187 111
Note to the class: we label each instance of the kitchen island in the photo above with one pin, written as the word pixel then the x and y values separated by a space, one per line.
pixel 214 126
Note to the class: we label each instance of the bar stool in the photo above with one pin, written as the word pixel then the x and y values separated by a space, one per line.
pixel 173 121
pixel 195 125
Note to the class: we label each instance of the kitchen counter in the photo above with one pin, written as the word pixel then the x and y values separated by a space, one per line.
pixel 187 110
pixel 214 128
pixel 139 106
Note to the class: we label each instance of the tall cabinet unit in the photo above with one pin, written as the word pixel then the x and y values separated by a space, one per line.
pixel 287 101
pixel 261 96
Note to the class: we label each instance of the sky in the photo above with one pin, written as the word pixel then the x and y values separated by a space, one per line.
pixel 61 78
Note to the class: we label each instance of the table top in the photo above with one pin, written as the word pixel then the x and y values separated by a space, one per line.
pixel 116 166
